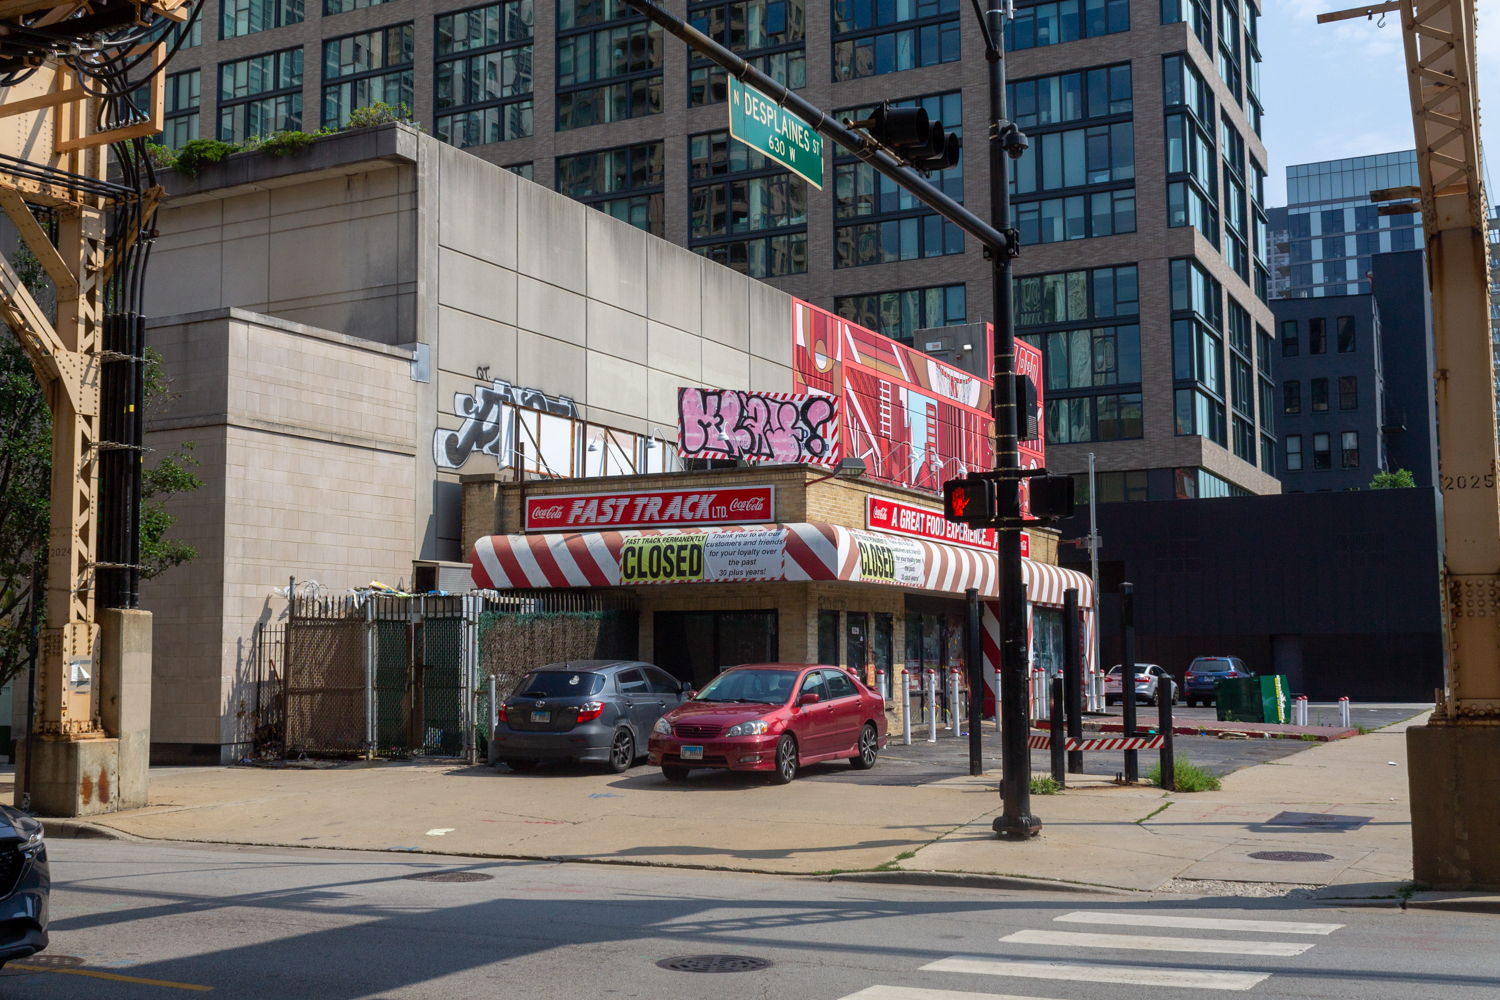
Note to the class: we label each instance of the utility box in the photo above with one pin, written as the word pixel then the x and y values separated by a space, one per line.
pixel 1253 699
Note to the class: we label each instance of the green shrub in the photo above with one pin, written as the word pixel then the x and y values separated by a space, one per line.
pixel 195 155
pixel 1189 777
pixel 287 143
pixel 379 113
pixel 1044 785
pixel 1400 479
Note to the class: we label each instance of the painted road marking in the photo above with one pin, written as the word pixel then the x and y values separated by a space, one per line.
pixel 1138 919
pixel 1080 972
pixel 113 977
pixel 441 831
pixel 1139 942
pixel 916 993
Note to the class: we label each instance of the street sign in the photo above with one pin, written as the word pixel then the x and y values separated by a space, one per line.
pixel 759 123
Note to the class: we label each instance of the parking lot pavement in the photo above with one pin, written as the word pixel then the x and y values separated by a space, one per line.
pixel 1319 713
pixel 923 762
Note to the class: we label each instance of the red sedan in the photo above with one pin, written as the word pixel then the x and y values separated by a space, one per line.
pixel 771 717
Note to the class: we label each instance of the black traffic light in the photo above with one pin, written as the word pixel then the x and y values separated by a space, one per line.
pixel 1026 408
pixel 914 137
pixel 1052 496
pixel 969 501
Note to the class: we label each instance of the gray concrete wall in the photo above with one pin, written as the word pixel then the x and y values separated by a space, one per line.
pixel 304 443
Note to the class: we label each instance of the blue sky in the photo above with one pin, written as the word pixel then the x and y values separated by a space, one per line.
pixel 1338 90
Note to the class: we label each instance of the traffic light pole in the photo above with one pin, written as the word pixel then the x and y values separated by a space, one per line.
pixel 1016 820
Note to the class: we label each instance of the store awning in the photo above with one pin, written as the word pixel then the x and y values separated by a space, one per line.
pixel 801 551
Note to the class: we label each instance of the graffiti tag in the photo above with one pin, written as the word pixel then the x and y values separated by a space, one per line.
pixel 484 415
pixel 763 426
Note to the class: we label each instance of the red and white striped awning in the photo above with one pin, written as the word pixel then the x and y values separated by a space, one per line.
pixel 809 550
pixel 1046 583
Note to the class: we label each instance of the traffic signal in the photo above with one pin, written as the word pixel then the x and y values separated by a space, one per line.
pixel 969 501
pixel 1051 496
pixel 913 136
pixel 1026 408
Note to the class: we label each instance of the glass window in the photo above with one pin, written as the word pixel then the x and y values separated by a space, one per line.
pixel 868 42
pixel 1349 449
pixel 1070 97
pixel 1317 336
pixel 768 34
pixel 1294 453
pixel 182 101
pixel 1320 451
pixel 748 193
pixel 1319 395
pixel 483 83
pixel 839 684
pixel 1289 338
pixel 1066 21
pixel 246 17
pixel 367 68
pixel 900 314
pixel 1291 396
pixel 610 73
pixel 1345 327
pixel 1195 12
pixel 631 682
pixel 331 7
pixel 1348 392
pixel 625 182
pixel 260 96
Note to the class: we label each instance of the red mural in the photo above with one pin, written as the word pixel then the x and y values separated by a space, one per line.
pixel 913 419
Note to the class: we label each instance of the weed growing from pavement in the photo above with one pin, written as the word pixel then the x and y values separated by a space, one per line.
pixel 1309 738
pixel 892 864
pixel 1189 776
pixel 1045 785
pixel 1363 730
pixel 1159 809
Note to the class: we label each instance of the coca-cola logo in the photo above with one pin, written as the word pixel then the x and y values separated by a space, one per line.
pixel 754 503
pixel 547 513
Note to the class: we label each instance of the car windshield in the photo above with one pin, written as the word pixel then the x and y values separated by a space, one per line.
pixel 769 687
pixel 560 684
pixel 1217 666
pixel 1140 668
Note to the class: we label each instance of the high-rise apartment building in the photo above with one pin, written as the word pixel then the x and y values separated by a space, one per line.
pixel 1145 271
pixel 1322 242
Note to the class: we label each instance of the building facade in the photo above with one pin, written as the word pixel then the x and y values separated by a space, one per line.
pixel 1408 360
pixel 1322 242
pixel 1145 270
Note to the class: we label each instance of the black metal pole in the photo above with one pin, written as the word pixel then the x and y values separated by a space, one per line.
pixel 975 646
pixel 1127 677
pixel 1073 675
pixel 1016 819
pixel 1164 727
pixel 1059 770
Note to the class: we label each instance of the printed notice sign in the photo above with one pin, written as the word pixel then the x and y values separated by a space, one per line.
pixel 765 127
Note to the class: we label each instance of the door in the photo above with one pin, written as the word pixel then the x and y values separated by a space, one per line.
pixel 857 643
pixel 828 638
pixel 666 687
pixel 880 657
pixel 813 724
pixel 847 715
pixel 642 705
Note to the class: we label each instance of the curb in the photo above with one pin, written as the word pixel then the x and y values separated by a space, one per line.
pixel 1263 731
pixel 966 880
pixel 1467 904
pixel 76 829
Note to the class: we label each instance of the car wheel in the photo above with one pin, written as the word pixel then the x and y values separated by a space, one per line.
pixel 868 747
pixel 622 751
pixel 786 760
pixel 520 765
pixel 674 773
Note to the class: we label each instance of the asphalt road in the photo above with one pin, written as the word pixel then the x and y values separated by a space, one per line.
pixel 150 920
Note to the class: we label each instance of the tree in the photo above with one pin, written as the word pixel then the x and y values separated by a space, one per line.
pixel 26 485
pixel 1400 479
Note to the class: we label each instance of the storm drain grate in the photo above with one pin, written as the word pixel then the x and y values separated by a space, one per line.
pixel 449 877
pixel 1290 856
pixel 714 963
pixel 33 964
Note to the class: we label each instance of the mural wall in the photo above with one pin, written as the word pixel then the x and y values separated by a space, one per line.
pixel 758 426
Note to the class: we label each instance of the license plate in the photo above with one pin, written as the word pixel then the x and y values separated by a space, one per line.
pixel 692 753
pixel 541 716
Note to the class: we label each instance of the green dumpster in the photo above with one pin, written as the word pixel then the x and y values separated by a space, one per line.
pixel 1253 699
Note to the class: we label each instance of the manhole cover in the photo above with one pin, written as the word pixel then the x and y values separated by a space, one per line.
pixel 1318 821
pixel 1290 856
pixel 714 963
pixel 449 877
pixel 34 963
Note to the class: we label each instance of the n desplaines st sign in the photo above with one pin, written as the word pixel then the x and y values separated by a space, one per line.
pixel 761 124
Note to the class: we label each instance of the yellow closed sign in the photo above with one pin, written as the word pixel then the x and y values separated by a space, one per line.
pixel 662 559
pixel 877 562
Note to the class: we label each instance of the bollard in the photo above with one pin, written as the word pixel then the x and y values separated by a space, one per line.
pixel 880 684
pixel 1059 760
pixel 932 706
pixel 1164 727
pixel 906 707
pixel 955 695
pixel 1344 713
pixel 1299 710
pixel 1127 679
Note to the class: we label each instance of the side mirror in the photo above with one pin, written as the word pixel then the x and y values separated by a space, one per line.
pixel 687 691
pixel 809 699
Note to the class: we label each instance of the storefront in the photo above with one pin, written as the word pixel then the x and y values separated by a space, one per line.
pixel 769 563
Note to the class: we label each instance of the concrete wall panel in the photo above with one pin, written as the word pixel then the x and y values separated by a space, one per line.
pixel 552 311
pixel 616 262
pixel 476 286
pixel 676 295
pixel 550 237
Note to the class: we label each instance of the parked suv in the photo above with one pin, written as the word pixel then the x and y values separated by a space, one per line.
pixel 599 711
pixel 1205 671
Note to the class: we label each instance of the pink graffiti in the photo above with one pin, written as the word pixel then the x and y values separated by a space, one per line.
pixel 726 423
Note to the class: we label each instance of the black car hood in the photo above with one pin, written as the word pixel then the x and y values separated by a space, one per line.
pixel 16 825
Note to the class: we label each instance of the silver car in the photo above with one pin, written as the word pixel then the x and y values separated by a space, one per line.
pixel 1148 678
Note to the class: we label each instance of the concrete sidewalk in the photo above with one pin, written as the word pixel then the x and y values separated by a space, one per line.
pixel 1096 833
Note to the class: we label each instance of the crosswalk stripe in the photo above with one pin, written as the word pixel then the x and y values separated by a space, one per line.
pixel 1079 972
pixel 917 993
pixel 1130 918
pixel 1140 942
